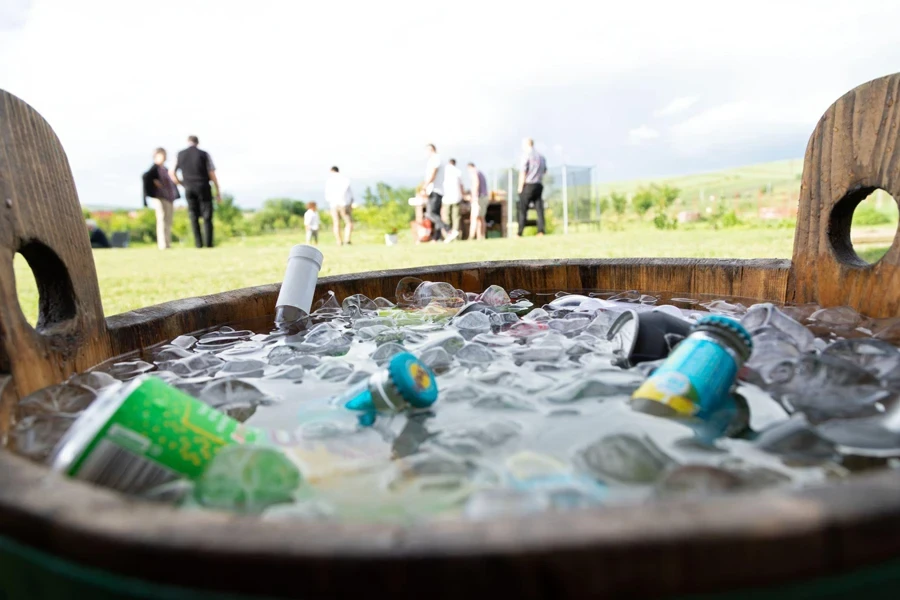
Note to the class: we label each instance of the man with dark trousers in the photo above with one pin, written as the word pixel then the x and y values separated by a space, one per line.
pixel 197 171
pixel 531 185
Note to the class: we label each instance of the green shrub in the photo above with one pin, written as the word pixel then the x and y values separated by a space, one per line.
pixel 867 215
pixel 663 221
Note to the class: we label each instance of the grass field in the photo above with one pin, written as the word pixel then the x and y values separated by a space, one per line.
pixel 136 277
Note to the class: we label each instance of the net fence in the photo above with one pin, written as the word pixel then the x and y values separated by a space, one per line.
pixel 570 195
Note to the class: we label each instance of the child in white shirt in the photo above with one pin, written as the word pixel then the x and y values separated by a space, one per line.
pixel 311 222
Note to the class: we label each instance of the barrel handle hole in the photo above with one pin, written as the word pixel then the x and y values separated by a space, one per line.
pixel 863 226
pixel 47 298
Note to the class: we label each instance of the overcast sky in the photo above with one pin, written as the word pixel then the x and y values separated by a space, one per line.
pixel 280 91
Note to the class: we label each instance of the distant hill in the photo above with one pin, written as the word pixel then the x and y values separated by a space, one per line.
pixel 776 178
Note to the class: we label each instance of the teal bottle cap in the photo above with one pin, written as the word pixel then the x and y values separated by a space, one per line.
pixel 729 326
pixel 413 379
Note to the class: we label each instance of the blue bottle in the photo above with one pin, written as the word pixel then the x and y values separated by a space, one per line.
pixel 405 383
pixel 696 379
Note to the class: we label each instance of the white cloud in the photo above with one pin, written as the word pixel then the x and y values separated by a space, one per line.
pixel 642 134
pixel 747 121
pixel 285 89
pixel 676 106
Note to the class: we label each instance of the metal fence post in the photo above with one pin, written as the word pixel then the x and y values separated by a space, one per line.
pixel 565 199
pixel 509 203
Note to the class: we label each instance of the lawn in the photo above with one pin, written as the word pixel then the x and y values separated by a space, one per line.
pixel 136 277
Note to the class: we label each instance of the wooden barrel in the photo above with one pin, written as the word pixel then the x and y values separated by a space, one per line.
pixel 62 539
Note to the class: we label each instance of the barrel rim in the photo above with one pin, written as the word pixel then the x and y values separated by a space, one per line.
pixel 824 528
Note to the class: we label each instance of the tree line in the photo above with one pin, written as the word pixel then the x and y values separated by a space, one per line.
pixel 383 208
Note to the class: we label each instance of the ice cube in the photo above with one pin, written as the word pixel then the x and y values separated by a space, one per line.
pixel 796 440
pixel 766 317
pixel 440 294
pixel 247 478
pixel 234 397
pixel 62 399
pixel 372 332
pixel 185 341
pixel 37 435
pixel 501 399
pixel 405 293
pixel 281 354
pixel 475 355
pixel 358 376
pixel 698 480
pixel 495 341
pixel 837 316
pixel 437 359
pixel 473 440
pixel 192 386
pixel 358 305
pixel 723 307
pixel 624 458
pixel 294 373
pixel 877 436
pixel 385 352
pixel 242 368
pixel 538 314
pixel 395 335
pixel 128 370
pixel 450 342
pixel 519 293
pixel 499 503
pixel 193 366
pixel 170 352
pixel 327 305
pixel 92 380
pixel 502 321
pixel 383 303
pixel 473 323
pixel 571 326
pixel 877 357
pixel 827 387
pixel 494 296
pixel 304 360
pixel 360 324
pixel 545 353
pixel 334 370
pixel 583 389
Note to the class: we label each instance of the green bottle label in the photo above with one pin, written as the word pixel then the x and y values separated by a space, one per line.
pixel 156 434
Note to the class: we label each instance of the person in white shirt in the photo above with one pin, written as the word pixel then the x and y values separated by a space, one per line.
pixel 312 222
pixel 453 193
pixel 433 189
pixel 340 200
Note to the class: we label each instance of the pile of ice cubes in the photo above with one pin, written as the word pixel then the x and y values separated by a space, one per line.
pixel 533 412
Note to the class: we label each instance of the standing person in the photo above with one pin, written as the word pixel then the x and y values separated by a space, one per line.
pixel 480 201
pixel 453 193
pixel 530 186
pixel 312 222
pixel 197 171
pixel 431 186
pixel 159 186
pixel 339 197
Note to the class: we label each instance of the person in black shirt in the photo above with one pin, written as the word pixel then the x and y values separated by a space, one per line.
pixel 197 171
pixel 98 238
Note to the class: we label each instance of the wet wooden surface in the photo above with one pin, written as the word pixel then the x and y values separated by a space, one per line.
pixel 634 551
pixel 40 217
pixel 852 152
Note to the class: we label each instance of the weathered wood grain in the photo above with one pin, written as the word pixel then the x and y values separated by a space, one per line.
pixel 634 551
pixel 40 217
pixel 852 152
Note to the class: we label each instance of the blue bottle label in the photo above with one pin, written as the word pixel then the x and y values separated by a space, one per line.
pixel 695 380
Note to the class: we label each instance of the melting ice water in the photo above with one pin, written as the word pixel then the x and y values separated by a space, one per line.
pixel 533 414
